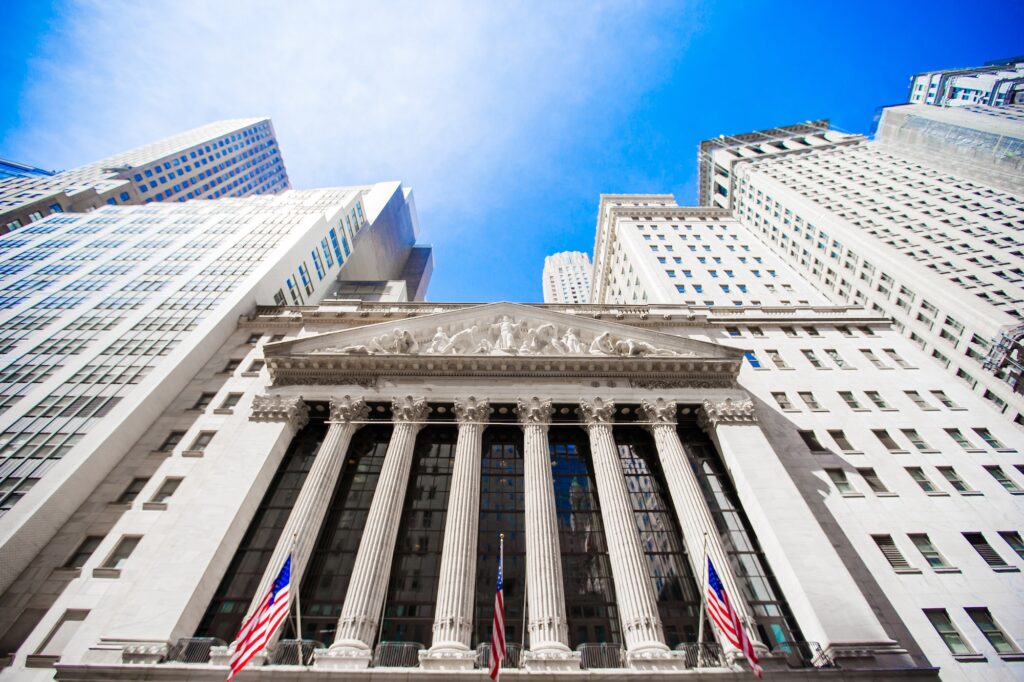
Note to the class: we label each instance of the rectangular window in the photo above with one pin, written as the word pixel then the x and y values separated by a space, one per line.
pixel 202 440
pixel 256 366
pixel 204 401
pixel 849 399
pixel 953 478
pixel 840 438
pixel 985 550
pixel 951 637
pixel 231 400
pixel 891 552
pixel 166 489
pixel 783 400
pixel 812 358
pixel 917 473
pixel 873 481
pixel 993 633
pixel 811 441
pixel 945 400
pixel 834 355
pixel 809 400
pixel 62 633
pixel 231 366
pixel 84 551
pixel 1004 480
pixel 840 481
pixel 872 358
pixel 752 359
pixel 927 549
pixel 916 398
pixel 1013 539
pixel 172 440
pixel 960 439
pixel 989 439
pixel 877 399
pixel 132 491
pixel 124 549
pixel 883 436
pixel 776 357
pixel 915 439
pixel 895 357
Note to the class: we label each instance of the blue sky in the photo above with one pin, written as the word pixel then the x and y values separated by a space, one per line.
pixel 507 119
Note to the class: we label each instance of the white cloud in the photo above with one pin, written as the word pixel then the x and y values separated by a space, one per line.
pixel 452 98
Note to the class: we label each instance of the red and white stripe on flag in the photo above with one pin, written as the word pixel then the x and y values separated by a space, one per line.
pixel 256 632
pixel 498 652
pixel 727 620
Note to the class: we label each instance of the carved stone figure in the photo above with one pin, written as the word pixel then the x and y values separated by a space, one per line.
pixel 571 341
pixel 507 331
pixel 538 339
pixel 602 345
pixel 440 342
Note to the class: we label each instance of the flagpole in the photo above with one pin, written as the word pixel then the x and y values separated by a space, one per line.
pixel 703 603
pixel 298 606
pixel 501 564
pixel 526 593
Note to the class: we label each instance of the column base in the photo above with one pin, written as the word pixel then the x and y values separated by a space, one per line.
pixel 656 659
pixel 342 658
pixel 551 660
pixel 447 659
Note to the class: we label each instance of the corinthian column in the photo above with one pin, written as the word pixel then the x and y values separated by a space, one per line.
pixel 695 520
pixel 453 617
pixel 307 515
pixel 361 611
pixel 549 636
pixel 634 593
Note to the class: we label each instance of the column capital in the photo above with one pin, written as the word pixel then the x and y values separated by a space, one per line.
pixel 348 409
pixel 597 412
pixel 279 408
pixel 409 410
pixel 714 413
pixel 472 410
pixel 660 412
pixel 534 411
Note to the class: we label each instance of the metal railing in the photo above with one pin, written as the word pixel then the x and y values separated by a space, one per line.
pixel 600 656
pixel 397 655
pixel 286 652
pixel 193 649
pixel 702 655
pixel 513 656
pixel 804 655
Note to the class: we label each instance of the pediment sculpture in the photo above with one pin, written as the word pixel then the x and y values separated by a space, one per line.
pixel 505 336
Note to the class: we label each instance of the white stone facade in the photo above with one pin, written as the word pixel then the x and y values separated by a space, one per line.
pixel 996 84
pixel 567 277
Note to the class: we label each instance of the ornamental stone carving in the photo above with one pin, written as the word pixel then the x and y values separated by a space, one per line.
pixel 409 410
pixel 728 411
pixel 348 409
pixel 660 411
pixel 597 411
pixel 144 653
pixel 534 412
pixel 276 408
pixel 472 410
pixel 505 336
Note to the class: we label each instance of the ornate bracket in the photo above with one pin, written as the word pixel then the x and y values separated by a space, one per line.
pixel 276 408
pixel 728 411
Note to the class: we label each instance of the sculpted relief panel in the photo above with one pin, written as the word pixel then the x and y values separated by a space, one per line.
pixel 506 336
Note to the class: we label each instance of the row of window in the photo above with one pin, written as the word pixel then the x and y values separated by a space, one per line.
pixel 938 562
pixel 835 358
pixel 890 443
pixel 959 645
pixel 845 486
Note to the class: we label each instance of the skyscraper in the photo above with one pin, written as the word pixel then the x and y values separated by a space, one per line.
pixel 567 277
pixel 997 83
pixel 224 159
pixel 921 225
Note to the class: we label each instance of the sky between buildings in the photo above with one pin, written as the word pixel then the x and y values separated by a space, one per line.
pixel 507 119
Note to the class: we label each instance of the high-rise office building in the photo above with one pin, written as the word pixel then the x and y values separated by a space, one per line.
pixel 224 159
pixel 107 315
pixel 567 277
pixel 922 225
pixel 996 84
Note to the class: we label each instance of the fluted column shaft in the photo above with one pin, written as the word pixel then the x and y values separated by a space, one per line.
pixel 692 512
pixel 453 617
pixel 307 515
pixel 634 592
pixel 360 613
pixel 545 589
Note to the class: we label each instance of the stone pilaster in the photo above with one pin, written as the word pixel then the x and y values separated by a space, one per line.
pixel 307 515
pixel 693 514
pixel 361 611
pixel 634 593
pixel 545 589
pixel 822 594
pixel 453 617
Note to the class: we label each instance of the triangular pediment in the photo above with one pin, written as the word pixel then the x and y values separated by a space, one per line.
pixel 497 339
pixel 502 329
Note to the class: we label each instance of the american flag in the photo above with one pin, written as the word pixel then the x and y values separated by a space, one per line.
pixel 728 621
pixel 257 631
pixel 498 652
